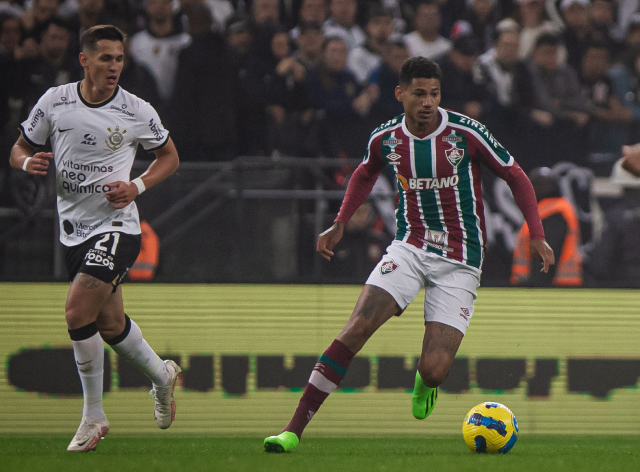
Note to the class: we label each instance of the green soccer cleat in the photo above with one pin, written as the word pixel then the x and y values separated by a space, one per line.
pixel 283 442
pixel 423 400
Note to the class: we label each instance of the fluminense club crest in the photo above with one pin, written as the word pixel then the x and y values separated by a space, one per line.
pixel 388 267
pixel 454 155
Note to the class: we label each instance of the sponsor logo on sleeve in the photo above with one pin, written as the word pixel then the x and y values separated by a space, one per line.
pixel 156 130
pixel 36 119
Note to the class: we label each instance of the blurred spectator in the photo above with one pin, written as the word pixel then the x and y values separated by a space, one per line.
pixel 560 108
pixel 577 33
pixel 632 38
pixel 33 21
pixel 125 15
pixel 137 79
pixel 310 11
pixel 364 59
pixel 256 87
pixel 7 7
pixel 202 106
pixel 631 159
pixel 90 13
pixel 54 66
pixel 386 78
pixel 221 11
pixel 615 260
pixel 38 14
pixel 609 122
pixel 342 23
pixel 425 40
pixel 309 41
pixel 460 92
pixel 507 87
pixel 239 38
pixel 340 101
pixel 626 79
pixel 265 16
pixel 157 47
pixel 533 22
pixel 482 17
pixel 601 16
pixel 562 233
pixel 288 108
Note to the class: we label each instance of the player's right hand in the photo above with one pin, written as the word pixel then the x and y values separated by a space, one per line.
pixel 328 239
pixel 39 163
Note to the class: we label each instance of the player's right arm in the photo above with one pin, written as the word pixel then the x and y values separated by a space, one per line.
pixel 360 184
pixel 22 157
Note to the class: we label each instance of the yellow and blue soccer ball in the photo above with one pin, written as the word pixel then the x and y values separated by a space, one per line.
pixel 490 428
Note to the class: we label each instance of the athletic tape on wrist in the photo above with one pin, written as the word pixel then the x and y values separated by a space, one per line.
pixel 24 164
pixel 140 184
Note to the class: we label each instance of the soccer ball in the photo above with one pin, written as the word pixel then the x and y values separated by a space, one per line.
pixel 490 427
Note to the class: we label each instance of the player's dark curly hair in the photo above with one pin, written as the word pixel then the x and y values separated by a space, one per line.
pixel 419 67
pixel 89 39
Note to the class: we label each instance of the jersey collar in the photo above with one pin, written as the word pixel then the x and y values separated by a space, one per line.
pixel 101 104
pixel 443 125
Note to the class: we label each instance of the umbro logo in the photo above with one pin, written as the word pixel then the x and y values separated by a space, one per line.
pixel 465 313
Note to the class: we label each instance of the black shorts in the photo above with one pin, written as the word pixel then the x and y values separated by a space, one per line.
pixel 107 256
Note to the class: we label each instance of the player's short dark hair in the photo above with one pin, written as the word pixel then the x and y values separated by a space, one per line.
pixel 89 39
pixel 419 67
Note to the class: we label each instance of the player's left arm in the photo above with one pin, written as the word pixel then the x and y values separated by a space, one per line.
pixel 504 166
pixel 164 165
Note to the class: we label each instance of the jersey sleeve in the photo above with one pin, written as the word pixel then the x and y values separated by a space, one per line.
pixel 362 181
pixel 152 134
pixel 491 153
pixel 36 129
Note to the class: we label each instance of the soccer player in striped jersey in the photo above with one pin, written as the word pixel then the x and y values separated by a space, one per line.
pixel 436 155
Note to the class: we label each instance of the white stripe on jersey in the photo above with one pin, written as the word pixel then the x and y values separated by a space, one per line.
pixel 475 210
pixel 460 218
pixel 434 173
pixel 412 157
pixel 484 143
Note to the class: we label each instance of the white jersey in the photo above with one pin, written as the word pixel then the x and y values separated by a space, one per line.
pixel 93 145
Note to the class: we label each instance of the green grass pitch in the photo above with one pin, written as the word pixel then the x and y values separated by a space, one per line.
pixel 198 453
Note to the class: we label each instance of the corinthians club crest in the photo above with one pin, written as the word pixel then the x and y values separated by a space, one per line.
pixel 455 154
pixel 115 139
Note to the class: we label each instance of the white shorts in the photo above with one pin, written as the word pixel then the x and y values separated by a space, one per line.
pixel 450 286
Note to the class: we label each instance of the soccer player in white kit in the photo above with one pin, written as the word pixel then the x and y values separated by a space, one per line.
pixel 95 128
pixel 436 155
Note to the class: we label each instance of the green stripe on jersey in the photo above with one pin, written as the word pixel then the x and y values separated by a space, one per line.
pixel 465 190
pixel 402 224
pixel 429 203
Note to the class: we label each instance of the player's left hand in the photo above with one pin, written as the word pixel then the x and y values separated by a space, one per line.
pixel 539 248
pixel 121 193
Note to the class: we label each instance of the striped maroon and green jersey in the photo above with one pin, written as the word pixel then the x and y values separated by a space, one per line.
pixel 440 206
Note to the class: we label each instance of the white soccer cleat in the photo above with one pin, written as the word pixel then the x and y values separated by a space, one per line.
pixel 89 433
pixel 165 409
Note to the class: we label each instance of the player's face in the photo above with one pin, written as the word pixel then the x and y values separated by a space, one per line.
pixel 103 66
pixel 420 100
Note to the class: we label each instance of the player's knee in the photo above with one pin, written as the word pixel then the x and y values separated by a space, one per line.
pixel 433 375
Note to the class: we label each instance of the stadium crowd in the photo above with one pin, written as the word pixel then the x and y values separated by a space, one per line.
pixel 553 80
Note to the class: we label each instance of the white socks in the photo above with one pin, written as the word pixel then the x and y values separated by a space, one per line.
pixel 89 355
pixel 136 350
